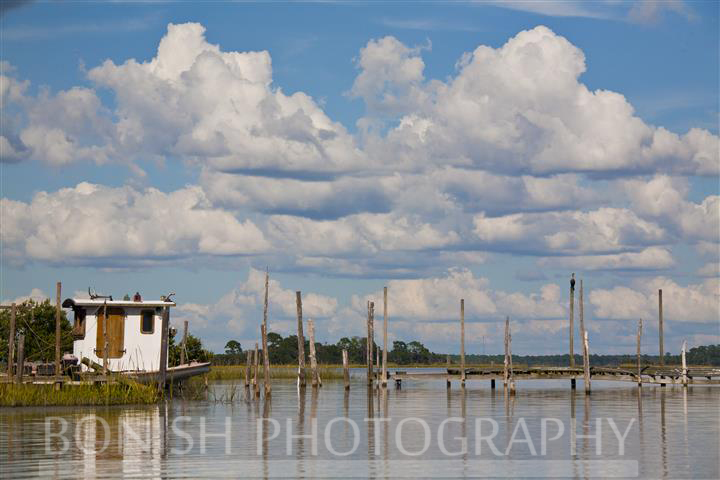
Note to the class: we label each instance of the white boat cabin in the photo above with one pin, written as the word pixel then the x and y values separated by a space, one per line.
pixel 133 332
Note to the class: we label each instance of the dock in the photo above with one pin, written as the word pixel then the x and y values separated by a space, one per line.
pixel 651 375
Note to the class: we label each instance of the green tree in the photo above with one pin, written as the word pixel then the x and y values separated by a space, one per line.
pixel 233 347
pixel 37 321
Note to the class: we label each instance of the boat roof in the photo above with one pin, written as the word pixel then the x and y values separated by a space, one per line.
pixel 99 302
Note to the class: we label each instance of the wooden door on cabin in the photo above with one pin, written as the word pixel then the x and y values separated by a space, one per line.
pixel 116 333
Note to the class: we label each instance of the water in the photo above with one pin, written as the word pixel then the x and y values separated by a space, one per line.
pixel 671 433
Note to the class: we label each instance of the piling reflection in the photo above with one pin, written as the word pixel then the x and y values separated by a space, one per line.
pixel 669 433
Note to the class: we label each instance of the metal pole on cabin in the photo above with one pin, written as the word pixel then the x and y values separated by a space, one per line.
pixel 346 371
pixel 184 343
pixel 164 341
pixel 385 326
pixel 266 353
pixel 639 367
pixel 505 368
pixel 313 358
pixel 247 368
pixel 462 341
pixel 572 320
pixel 682 354
pixel 21 357
pixel 58 313
pixel 660 326
pixel 106 345
pixel 301 340
pixel 266 361
pixel 11 341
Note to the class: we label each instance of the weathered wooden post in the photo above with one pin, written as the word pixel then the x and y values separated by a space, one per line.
pixel 301 340
pixel 21 358
pixel 11 341
pixel 639 366
pixel 462 342
pixel 313 358
pixel 505 367
pixel 370 337
pixel 385 335
pixel 266 353
pixel 572 320
pixel 447 379
pixel 163 342
pixel 256 368
pixel 512 377
pixel 660 327
pixel 266 361
pixel 682 354
pixel 164 339
pixel 247 367
pixel 586 362
pixel 377 351
pixel 583 336
pixel 346 371
pixel 58 333
pixel 184 343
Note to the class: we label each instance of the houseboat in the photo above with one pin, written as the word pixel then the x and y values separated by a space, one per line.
pixel 134 337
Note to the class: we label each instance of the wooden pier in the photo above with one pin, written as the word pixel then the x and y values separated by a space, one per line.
pixel 652 375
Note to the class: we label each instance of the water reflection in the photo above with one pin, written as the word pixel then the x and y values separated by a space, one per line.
pixel 673 430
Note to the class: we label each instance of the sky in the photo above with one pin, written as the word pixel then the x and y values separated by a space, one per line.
pixel 476 150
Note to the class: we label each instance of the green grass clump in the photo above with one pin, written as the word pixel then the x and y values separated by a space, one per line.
pixel 121 393
pixel 237 372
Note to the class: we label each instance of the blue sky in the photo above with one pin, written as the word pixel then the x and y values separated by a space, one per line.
pixel 483 150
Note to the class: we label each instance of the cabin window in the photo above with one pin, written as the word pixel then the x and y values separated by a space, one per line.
pixel 147 324
pixel 79 324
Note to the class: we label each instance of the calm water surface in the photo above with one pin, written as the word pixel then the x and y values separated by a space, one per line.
pixel 671 433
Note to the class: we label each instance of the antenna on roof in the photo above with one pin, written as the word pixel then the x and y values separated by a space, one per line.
pixel 166 298
pixel 94 295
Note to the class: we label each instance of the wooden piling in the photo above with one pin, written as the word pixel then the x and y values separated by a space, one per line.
pixel 639 366
pixel 462 341
pixel 11 340
pixel 184 343
pixel 58 333
pixel 370 306
pixel 263 331
pixel 247 367
pixel 505 367
pixel 586 362
pixel 301 340
pixel 684 364
pixel 21 358
pixel 346 371
pixel 584 336
pixel 313 358
pixel 660 327
pixel 266 361
pixel 377 351
pixel 164 340
pixel 572 319
pixel 256 368
pixel 512 378
pixel 385 335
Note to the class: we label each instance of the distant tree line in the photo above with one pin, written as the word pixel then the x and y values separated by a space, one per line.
pixel 284 351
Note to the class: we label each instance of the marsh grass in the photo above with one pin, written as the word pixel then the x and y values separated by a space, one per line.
pixel 120 393
pixel 237 372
